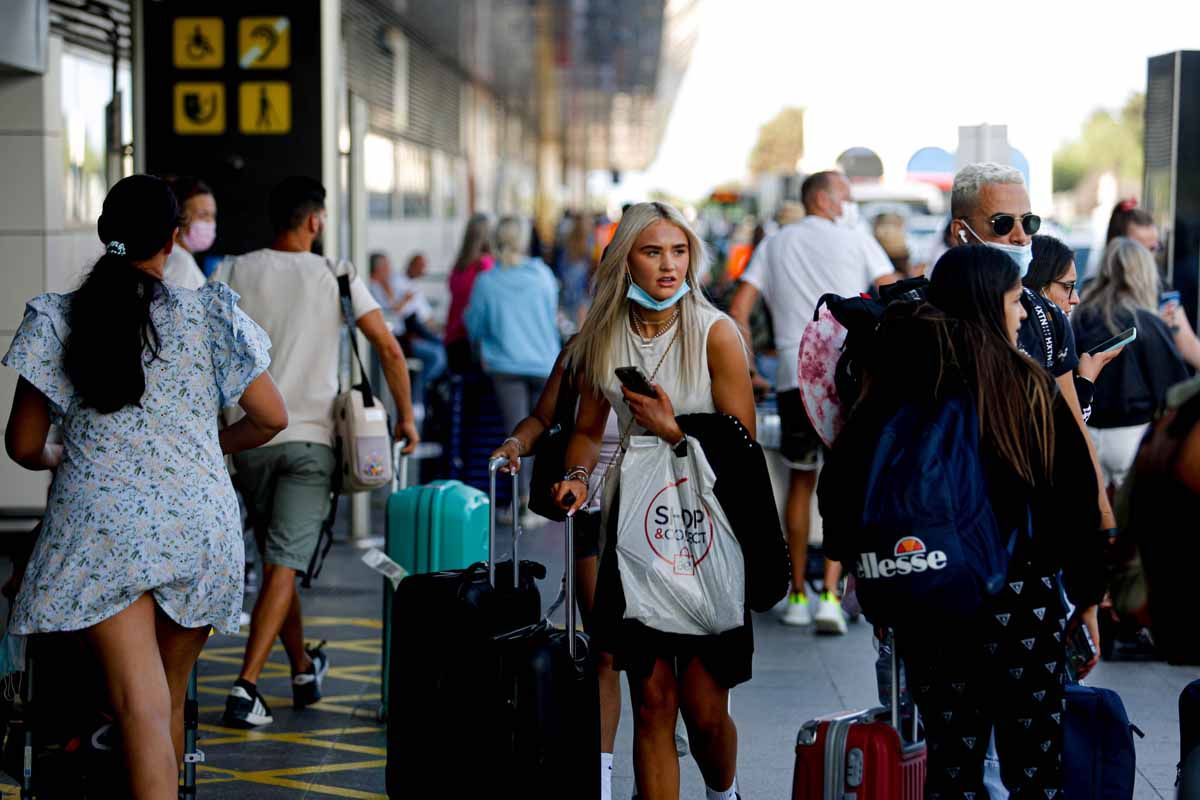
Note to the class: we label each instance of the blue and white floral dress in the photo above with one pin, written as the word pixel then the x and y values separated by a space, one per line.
pixel 142 501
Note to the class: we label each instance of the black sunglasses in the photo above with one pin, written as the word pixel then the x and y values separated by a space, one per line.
pixel 1002 224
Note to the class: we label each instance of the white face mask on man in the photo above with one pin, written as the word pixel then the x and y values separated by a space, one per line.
pixel 1021 254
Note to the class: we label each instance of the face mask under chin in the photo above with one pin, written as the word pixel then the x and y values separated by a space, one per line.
pixel 643 298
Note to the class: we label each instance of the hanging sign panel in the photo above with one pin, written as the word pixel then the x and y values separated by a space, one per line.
pixel 232 95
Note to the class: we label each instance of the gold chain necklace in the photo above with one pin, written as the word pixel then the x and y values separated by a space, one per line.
pixel 642 325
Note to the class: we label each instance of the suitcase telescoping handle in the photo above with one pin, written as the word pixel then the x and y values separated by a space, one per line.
pixel 399 466
pixel 916 719
pixel 569 568
pixel 495 466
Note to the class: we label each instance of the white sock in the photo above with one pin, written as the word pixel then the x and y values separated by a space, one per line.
pixel 606 762
pixel 728 794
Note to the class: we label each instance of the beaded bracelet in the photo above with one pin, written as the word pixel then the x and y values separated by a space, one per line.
pixel 577 474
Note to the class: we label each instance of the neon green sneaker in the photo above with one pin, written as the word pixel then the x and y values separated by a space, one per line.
pixel 797 612
pixel 829 617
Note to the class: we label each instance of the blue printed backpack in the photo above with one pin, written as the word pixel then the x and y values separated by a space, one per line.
pixel 927 546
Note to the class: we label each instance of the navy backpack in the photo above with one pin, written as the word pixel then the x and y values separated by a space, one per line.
pixel 928 545
pixel 1099 762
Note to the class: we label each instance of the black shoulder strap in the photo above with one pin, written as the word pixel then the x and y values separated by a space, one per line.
pixel 343 282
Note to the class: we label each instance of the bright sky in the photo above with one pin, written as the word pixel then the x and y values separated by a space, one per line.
pixel 897 76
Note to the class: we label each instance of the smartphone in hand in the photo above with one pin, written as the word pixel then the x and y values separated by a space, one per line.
pixel 1080 650
pixel 635 381
pixel 1120 340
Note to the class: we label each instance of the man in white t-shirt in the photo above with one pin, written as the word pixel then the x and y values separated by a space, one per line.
pixel 287 484
pixel 825 252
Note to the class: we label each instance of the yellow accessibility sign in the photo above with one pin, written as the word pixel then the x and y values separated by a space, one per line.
pixel 264 43
pixel 199 43
pixel 265 107
pixel 199 108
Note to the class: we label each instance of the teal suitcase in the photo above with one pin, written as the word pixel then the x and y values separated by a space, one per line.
pixel 440 526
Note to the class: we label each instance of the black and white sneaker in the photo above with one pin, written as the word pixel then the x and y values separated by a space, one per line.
pixel 306 686
pixel 246 709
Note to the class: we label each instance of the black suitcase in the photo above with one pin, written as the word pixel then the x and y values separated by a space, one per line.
pixel 444 666
pixel 548 707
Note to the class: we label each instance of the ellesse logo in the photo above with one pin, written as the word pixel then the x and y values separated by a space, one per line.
pixel 911 556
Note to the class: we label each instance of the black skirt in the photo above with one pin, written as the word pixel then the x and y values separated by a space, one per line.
pixel 635 647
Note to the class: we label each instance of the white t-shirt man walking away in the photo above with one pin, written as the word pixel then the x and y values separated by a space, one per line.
pixel 294 297
pixel 286 484
pixel 818 255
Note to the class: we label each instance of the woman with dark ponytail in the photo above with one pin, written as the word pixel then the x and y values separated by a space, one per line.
pixel 141 544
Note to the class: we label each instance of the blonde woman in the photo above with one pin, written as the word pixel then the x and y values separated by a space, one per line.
pixel 1131 390
pixel 646 313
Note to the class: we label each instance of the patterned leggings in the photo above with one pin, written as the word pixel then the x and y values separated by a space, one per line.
pixel 1007 670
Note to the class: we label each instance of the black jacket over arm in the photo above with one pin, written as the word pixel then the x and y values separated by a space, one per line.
pixel 743 488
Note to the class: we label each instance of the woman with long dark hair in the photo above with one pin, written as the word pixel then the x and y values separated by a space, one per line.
pixel 1053 275
pixel 1005 665
pixel 474 258
pixel 141 544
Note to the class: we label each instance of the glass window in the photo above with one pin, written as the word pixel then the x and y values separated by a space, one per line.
pixel 379 175
pixel 86 94
pixel 413 180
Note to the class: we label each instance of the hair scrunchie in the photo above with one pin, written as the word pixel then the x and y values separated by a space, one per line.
pixel 115 248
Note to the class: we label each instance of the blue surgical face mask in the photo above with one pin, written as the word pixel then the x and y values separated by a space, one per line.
pixel 640 296
pixel 1022 255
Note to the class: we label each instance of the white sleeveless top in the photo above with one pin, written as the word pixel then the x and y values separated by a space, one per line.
pixel 633 351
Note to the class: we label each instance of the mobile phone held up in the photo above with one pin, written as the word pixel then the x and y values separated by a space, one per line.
pixel 635 381
pixel 1080 649
pixel 1120 340
pixel 1168 299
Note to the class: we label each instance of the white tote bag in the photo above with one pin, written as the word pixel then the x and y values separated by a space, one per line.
pixel 681 566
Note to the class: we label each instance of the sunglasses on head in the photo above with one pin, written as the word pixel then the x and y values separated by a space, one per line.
pixel 1002 224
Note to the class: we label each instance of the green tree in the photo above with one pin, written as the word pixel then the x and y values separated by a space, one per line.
pixel 780 144
pixel 1108 142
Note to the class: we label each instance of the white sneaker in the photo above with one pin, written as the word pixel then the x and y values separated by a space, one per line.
pixel 829 617
pixel 797 612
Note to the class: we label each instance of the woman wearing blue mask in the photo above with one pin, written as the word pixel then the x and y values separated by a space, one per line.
pixel 647 314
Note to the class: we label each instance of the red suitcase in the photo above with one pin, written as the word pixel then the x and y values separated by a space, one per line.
pixel 859 755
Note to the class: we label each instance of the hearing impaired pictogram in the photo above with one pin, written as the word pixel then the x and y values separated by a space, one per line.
pixel 199 43
pixel 199 108
pixel 264 43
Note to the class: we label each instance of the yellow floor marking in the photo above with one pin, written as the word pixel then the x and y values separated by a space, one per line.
pixel 227 735
pixel 342 674
pixel 250 735
pixel 269 778
pixel 358 622
pixel 360 711
pixel 312 769
pixel 361 668
pixel 234 649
